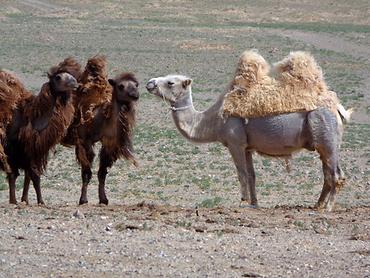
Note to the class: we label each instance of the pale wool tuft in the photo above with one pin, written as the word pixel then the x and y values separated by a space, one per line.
pixel 298 85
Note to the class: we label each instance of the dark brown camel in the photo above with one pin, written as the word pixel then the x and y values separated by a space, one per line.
pixel 38 124
pixel 109 121
pixel 12 92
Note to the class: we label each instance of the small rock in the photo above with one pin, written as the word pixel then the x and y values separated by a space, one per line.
pixel 200 229
pixel 251 274
pixel 320 230
pixel 78 214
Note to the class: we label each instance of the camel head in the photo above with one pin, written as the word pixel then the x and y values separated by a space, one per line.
pixel 172 88
pixel 62 83
pixel 125 87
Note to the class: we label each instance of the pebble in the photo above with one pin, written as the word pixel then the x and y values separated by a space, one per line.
pixel 78 214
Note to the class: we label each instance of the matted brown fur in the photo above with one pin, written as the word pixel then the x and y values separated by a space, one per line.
pixel 121 123
pixel 94 89
pixel 121 146
pixel 12 92
pixel 69 65
pixel 112 124
pixel 38 143
pixel 298 86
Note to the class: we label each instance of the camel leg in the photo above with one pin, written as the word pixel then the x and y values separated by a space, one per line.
pixel 36 184
pixel 324 132
pixel 12 178
pixel 341 174
pixel 326 187
pixel 240 158
pixel 85 156
pixel 86 175
pixel 251 179
pixel 332 180
pixel 3 159
pixel 338 183
pixel 105 162
pixel 26 187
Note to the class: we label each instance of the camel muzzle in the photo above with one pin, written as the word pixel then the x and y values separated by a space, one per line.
pixel 72 82
pixel 151 85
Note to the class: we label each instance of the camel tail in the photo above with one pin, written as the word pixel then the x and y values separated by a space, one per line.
pixel 345 115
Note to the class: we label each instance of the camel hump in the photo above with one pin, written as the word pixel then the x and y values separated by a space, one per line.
pixel 297 85
pixel 11 88
pixel 5 92
pixel 97 66
pixel 299 68
pixel 8 77
pixel 94 89
pixel 94 78
pixel 251 69
pixel 69 65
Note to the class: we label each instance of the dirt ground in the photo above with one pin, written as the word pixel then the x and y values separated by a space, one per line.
pixel 178 214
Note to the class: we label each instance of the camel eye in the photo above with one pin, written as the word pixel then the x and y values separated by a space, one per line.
pixel 170 83
pixel 57 78
pixel 121 87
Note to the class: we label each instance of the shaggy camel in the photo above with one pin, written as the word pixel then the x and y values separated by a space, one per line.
pixel 105 113
pixel 277 136
pixel 38 124
pixel 12 92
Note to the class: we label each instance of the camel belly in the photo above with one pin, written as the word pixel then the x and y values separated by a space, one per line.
pixel 278 135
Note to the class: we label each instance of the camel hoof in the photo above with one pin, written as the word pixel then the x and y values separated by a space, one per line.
pixel 245 204
pixel 82 201
pixel 22 205
pixel 319 206
pixel 103 202
pixel 329 208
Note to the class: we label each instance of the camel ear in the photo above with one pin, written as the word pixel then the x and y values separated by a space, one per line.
pixel 112 82
pixel 186 83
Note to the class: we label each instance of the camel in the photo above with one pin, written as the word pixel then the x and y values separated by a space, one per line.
pixel 277 136
pixel 12 92
pixel 110 122
pixel 38 124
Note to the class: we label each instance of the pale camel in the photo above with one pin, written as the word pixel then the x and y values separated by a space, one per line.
pixel 278 136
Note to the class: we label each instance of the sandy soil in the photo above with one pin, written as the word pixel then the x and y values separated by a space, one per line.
pixel 145 239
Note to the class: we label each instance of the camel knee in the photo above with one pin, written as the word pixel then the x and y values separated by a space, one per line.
pixel 86 175
pixel 102 173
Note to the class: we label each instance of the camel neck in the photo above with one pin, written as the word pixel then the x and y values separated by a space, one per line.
pixel 199 127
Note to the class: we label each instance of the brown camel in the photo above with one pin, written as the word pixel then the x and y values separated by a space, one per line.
pixel 12 92
pixel 38 124
pixel 105 113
